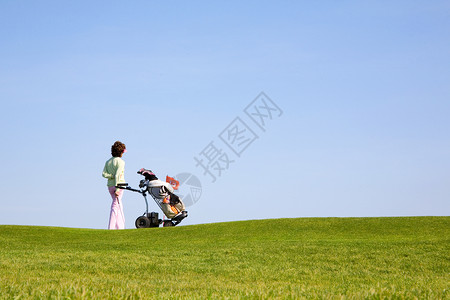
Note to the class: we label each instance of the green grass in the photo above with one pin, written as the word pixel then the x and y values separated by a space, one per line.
pixel 338 258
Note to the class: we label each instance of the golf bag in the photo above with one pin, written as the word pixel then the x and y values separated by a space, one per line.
pixel 163 195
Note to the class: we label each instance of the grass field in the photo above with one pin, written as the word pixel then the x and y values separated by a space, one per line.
pixel 348 258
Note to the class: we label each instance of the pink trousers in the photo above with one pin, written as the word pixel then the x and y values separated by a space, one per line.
pixel 116 218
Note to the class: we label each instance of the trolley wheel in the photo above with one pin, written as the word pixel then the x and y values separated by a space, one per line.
pixel 168 223
pixel 142 222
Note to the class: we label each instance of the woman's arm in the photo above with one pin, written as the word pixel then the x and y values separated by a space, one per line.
pixel 106 174
pixel 119 176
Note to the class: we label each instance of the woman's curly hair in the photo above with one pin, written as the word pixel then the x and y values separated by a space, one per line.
pixel 117 149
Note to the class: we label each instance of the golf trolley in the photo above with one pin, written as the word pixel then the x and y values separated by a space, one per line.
pixel 163 198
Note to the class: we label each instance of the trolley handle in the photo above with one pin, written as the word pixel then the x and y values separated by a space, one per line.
pixel 124 186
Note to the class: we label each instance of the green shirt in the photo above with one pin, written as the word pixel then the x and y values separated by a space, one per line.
pixel 114 171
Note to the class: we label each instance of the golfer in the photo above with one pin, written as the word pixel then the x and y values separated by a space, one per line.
pixel 114 171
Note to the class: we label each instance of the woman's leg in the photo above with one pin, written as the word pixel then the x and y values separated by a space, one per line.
pixel 116 217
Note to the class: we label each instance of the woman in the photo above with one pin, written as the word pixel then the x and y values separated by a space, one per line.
pixel 114 171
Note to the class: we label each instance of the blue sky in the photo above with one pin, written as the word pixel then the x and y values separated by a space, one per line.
pixel 363 86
